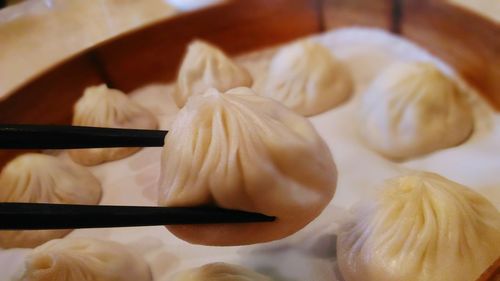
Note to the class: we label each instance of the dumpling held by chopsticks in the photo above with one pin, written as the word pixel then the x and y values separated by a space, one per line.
pixel 238 150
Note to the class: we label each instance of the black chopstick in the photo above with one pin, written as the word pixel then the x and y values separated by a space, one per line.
pixel 30 216
pixel 67 137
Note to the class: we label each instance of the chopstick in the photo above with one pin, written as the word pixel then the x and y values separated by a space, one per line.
pixel 68 137
pixel 31 216
pixel 18 216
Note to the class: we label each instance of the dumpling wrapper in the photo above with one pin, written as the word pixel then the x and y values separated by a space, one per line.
pixel 307 78
pixel 238 150
pixel 206 66
pixel 103 107
pixel 413 109
pixel 84 259
pixel 220 272
pixel 420 227
pixel 40 178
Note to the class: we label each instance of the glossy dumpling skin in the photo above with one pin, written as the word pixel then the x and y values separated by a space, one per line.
pixel 103 107
pixel 220 272
pixel 39 178
pixel 420 227
pixel 205 66
pixel 238 150
pixel 413 109
pixel 307 78
pixel 84 259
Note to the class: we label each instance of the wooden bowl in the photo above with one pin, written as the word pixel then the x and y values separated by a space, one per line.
pixel 465 40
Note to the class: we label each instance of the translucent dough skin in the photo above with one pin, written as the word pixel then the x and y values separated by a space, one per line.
pixel 84 259
pixel 39 178
pixel 238 150
pixel 103 107
pixel 206 66
pixel 308 79
pixel 413 109
pixel 220 272
pixel 420 227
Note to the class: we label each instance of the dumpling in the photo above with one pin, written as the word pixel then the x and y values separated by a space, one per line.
pixel 84 259
pixel 205 66
pixel 420 227
pixel 413 109
pixel 103 107
pixel 238 150
pixel 40 178
pixel 220 272
pixel 307 78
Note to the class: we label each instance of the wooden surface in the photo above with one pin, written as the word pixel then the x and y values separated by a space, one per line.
pixel 465 40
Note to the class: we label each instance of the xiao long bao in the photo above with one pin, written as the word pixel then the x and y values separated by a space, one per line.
pixel 84 259
pixel 220 272
pixel 103 107
pixel 307 78
pixel 238 150
pixel 39 178
pixel 413 109
pixel 205 66
pixel 420 227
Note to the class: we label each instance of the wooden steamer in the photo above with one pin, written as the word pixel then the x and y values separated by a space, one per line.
pixel 465 40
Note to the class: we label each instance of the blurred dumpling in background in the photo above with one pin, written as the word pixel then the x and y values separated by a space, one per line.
pixel 103 107
pixel 39 178
pixel 420 227
pixel 220 272
pixel 307 78
pixel 412 109
pixel 84 259
pixel 239 150
pixel 205 66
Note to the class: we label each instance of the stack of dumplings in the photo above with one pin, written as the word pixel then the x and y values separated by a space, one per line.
pixel 413 109
pixel 104 107
pixel 39 178
pixel 84 259
pixel 239 150
pixel 307 78
pixel 205 66
pixel 420 227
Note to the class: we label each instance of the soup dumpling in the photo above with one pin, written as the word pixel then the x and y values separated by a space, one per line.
pixel 206 66
pixel 40 178
pixel 307 78
pixel 103 107
pixel 413 109
pixel 84 259
pixel 239 150
pixel 420 227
